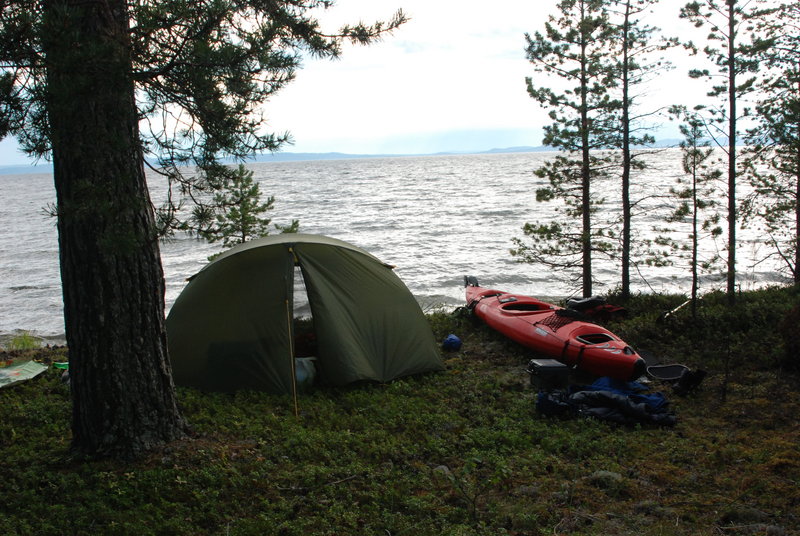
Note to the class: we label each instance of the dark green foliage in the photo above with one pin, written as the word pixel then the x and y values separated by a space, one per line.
pixel 602 51
pixel 228 58
pixel 748 334
pixel 728 23
pixel 236 214
pixel 791 340
pixel 637 44
pixel 596 52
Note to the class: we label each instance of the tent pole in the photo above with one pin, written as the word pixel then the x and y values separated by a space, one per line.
pixel 291 359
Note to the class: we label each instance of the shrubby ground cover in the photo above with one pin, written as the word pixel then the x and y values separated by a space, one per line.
pixel 460 452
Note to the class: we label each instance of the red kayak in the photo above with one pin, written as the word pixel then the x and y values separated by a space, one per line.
pixel 555 332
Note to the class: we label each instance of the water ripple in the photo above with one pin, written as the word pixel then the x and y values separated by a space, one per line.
pixel 435 218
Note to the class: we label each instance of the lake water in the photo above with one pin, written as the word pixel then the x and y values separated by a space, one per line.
pixel 436 218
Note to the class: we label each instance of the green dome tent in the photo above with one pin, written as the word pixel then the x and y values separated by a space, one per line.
pixel 231 327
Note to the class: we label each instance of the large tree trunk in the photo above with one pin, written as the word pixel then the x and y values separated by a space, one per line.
pixel 122 391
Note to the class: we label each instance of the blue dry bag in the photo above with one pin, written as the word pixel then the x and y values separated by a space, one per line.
pixel 451 343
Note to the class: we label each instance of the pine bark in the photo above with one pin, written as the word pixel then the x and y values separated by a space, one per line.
pixel 113 286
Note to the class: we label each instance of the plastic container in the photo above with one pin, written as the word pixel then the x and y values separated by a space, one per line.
pixel 548 374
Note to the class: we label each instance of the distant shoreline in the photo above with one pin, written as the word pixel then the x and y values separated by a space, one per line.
pixel 305 157
pixel 312 157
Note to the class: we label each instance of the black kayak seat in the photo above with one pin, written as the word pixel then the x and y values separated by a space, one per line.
pixel 581 304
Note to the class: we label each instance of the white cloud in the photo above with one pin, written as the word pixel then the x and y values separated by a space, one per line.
pixel 455 66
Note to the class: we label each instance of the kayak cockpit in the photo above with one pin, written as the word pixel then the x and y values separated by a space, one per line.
pixel 514 305
pixel 595 338
pixel 521 307
pixel 604 338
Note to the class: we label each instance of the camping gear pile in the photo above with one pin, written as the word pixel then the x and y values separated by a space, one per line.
pixel 608 399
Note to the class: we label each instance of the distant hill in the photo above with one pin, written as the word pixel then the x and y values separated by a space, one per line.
pixel 298 157
pixel 306 157
pixel 523 149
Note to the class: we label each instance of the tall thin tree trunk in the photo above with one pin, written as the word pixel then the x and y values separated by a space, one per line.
pixel 626 161
pixel 695 239
pixel 797 218
pixel 731 291
pixel 796 268
pixel 586 233
pixel 113 286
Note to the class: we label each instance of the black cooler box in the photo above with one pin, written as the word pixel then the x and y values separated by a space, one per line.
pixel 548 374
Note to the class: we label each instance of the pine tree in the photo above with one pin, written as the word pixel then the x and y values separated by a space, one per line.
pixel 694 199
pixel 773 158
pixel 638 46
pixel 237 213
pixel 728 21
pixel 576 49
pixel 79 78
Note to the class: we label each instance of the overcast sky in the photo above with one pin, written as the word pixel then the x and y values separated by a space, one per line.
pixel 451 79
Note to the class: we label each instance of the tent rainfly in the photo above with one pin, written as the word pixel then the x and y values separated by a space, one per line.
pixel 231 326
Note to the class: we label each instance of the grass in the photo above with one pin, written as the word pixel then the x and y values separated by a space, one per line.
pixel 23 341
pixel 462 452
